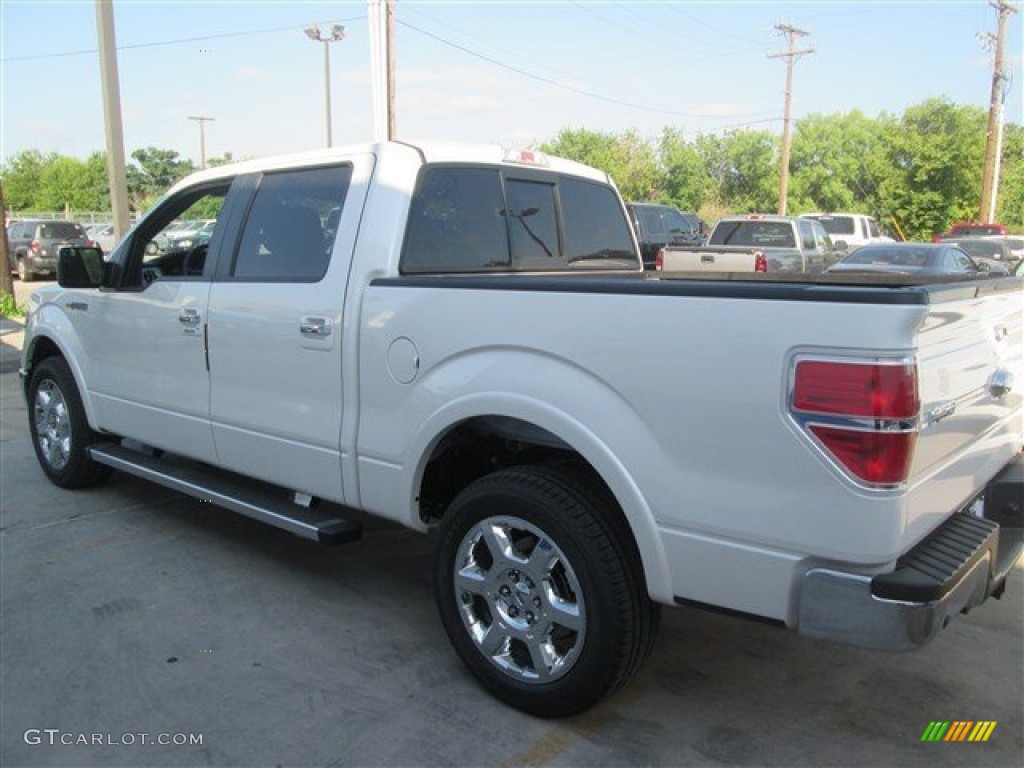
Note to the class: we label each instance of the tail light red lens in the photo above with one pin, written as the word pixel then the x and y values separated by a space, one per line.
pixel 35 247
pixel 881 458
pixel 760 263
pixel 856 389
pixel 659 259
pixel 872 410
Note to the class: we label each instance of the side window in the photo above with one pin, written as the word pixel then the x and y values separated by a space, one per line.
pixel 806 234
pixel 456 222
pixel 532 225
pixel 594 225
pixel 285 237
pixel 172 241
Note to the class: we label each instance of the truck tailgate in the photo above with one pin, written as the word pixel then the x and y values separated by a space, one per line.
pixel 970 369
pixel 709 260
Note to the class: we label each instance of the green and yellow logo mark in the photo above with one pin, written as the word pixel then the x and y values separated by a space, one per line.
pixel 958 730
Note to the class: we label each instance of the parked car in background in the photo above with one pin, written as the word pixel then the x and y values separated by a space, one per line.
pixel 1014 242
pixel 33 245
pixel 972 229
pixel 103 235
pixel 994 251
pixel 659 225
pixel 850 230
pixel 909 259
pixel 755 242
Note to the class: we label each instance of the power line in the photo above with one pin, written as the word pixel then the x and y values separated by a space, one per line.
pixel 159 43
pixel 548 80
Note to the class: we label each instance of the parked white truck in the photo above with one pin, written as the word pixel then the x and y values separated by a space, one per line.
pixel 460 337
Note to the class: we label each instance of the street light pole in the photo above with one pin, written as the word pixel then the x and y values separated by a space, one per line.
pixel 337 34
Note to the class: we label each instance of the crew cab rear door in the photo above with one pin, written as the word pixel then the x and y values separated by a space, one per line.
pixel 275 331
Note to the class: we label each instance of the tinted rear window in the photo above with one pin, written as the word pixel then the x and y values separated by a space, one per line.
pixel 472 219
pixel 836 225
pixel 60 229
pixel 766 234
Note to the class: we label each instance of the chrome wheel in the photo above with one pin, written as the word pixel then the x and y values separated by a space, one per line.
pixel 519 599
pixel 53 424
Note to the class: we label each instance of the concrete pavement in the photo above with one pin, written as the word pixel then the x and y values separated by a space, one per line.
pixel 130 610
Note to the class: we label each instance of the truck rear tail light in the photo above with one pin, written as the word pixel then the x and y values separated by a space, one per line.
pixel 760 262
pixel 856 389
pixel 35 247
pixel 865 416
pixel 879 458
pixel 659 259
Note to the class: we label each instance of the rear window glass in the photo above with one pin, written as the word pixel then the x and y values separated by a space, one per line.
pixel 979 229
pixel 651 222
pixel 836 225
pixel 767 234
pixel 472 219
pixel 56 229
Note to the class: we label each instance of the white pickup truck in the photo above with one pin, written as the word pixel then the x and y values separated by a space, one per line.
pixel 461 337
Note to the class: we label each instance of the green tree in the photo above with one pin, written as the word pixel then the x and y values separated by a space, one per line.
pixel 751 177
pixel 155 172
pixel 1011 178
pixel 21 174
pixel 687 181
pixel 626 157
pixel 831 166
pixel 936 153
pixel 69 183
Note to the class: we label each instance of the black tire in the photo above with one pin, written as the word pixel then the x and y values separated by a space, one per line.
pixel 563 551
pixel 25 274
pixel 60 432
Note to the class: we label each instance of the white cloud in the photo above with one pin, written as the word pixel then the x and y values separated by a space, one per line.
pixel 431 103
pixel 718 110
pixel 254 75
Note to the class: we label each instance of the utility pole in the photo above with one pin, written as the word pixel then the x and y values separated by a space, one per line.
pixel 790 54
pixel 202 120
pixel 336 36
pixel 389 25
pixel 112 116
pixel 6 281
pixel 993 138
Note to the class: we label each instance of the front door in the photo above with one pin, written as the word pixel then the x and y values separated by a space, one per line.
pixel 145 336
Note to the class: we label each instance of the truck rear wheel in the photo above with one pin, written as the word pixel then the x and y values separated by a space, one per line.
pixel 541 591
pixel 60 432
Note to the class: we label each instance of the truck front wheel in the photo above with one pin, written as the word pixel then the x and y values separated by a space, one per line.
pixel 60 431
pixel 540 592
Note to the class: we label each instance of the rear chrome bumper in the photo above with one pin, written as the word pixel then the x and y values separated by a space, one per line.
pixel 957 567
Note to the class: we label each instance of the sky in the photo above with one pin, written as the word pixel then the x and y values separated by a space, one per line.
pixel 511 73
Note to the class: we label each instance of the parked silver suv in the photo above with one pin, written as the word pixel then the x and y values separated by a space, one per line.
pixel 34 244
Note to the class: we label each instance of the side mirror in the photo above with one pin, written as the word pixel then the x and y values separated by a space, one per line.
pixel 79 267
pixel 840 245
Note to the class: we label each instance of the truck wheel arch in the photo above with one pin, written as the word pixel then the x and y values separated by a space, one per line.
pixel 529 431
pixel 43 346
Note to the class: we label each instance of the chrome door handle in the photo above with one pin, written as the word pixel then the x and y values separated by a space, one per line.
pixel 316 327
pixel 188 316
